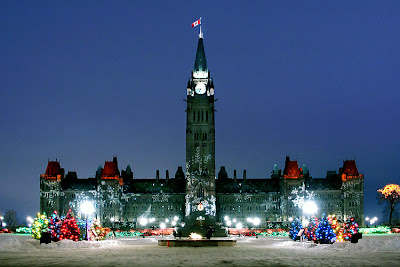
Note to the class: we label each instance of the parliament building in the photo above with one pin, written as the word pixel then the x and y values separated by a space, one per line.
pixel 198 195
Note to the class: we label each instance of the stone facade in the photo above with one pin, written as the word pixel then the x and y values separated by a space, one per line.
pixel 196 196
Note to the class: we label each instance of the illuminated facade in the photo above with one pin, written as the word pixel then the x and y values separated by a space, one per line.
pixel 197 195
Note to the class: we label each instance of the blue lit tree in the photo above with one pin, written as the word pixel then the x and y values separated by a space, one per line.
pixel 295 229
pixel 324 233
pixel 55 226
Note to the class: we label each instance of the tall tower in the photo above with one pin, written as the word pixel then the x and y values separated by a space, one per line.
pixel 200 144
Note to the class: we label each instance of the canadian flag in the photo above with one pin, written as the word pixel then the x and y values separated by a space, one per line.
pixel 197 22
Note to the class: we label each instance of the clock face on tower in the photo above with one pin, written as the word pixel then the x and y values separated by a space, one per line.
pixel 200 88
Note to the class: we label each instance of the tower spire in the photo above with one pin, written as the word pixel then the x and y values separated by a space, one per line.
pixel 200 63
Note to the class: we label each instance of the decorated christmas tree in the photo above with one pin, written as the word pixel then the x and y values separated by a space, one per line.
pixel 294 230
pixel 97 232
pixel 324 233
pixel 69 228
pixel 350 230
pixel 55 226
pixel 337 229
pixel 40 225
pixel 312 227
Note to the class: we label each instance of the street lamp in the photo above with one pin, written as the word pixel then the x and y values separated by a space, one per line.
pixel 29 220
pixel 162 225
pixel 87 208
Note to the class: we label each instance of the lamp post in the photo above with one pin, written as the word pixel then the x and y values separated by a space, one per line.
pixel 87 208
pixel 367 219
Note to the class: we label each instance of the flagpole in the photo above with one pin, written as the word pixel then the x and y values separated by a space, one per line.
pixel 201 34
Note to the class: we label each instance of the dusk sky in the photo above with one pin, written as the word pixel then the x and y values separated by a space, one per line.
pixel 82 81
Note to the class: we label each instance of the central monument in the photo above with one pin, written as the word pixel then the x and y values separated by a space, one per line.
pixel 200 208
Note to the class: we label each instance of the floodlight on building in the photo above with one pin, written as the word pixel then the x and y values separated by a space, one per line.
pixel 290 219
pixel 226 218
pixel 229 223
pixel 249 219
pixel 306 223
pixel 234 220
pixel 152 219
pixel 173 223
pixel 176 218
pixel 256 221
pixel 166 220
pixel 3 224
pixel 163 226
pixel 112 219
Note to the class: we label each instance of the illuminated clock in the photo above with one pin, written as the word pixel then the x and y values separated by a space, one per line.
pixel 200 207
pixel 200 88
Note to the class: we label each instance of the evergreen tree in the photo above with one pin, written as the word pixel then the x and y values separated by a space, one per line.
pixel 39 226
pixel 55 226
pixel 294 229
pixel 69 228
pixel 350 229
pixel 324 233
pixel 96 231
pixel 312 227
pixel 336 227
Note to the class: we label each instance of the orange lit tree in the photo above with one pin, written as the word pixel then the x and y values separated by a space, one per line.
pixel 391 194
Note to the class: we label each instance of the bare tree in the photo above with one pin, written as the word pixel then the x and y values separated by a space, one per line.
pixel 391 194
pixel 10 218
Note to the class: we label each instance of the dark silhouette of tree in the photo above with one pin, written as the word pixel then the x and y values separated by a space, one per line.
pixel 10 218
pixel 391 194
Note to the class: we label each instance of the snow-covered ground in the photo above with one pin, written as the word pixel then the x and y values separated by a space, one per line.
pixel 372 250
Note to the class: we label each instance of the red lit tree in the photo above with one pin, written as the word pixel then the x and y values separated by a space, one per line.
pixel 391 194
pixel 312 227
pixel 69 228
pixel 350 228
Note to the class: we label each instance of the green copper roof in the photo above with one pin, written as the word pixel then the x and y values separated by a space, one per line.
pixel 200 63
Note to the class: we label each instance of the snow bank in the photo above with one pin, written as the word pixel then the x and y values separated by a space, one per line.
pixel 18 243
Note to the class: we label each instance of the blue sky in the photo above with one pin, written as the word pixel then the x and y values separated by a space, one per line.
pixel 82 81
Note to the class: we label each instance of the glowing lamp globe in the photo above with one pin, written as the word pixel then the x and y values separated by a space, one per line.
pixel 87 208
pixel 310 207
pixel 143 221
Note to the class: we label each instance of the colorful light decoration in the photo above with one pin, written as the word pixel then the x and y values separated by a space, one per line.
pixel 69 228
pixel 376 230
pixel 40 225
pixel 390 190
pixel 295 229
pixel 336 227
pixel 312 227
pixel 324 233
pixel 195 236
pixel 350 228
pixel 55 226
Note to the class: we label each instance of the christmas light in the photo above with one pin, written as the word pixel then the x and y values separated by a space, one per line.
pixel 295 229
pixel 69 228
pixel 39 225
pixel 195 236
pixel 390 190
pixel 324 233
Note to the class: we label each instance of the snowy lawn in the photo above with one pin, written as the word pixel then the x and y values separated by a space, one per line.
pixel 372 250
